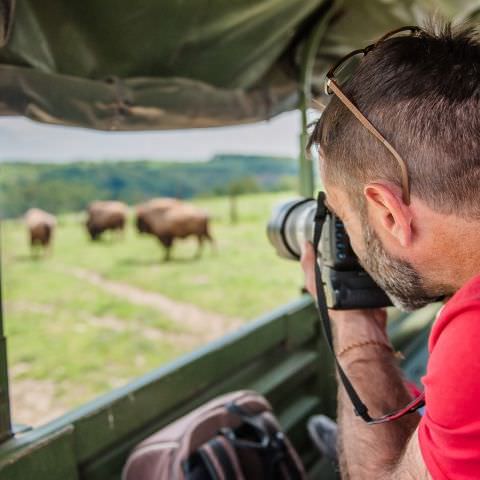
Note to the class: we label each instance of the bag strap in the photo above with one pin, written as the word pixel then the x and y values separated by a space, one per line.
pixel 225 458
pixel 211 463
pixel 272 446
pixel 219 460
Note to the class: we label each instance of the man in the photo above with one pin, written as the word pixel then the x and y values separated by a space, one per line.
pixel 399 148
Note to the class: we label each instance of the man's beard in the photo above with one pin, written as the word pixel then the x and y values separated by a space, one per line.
pixel 398 278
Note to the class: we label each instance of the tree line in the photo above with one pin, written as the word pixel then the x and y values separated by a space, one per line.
pixel 60 188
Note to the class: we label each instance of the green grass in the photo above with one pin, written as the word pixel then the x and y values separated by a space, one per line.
pixel 63 329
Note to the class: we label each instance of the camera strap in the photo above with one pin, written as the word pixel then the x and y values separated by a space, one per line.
pixel 360 408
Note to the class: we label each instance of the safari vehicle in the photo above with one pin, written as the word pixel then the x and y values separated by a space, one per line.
pixel 122 65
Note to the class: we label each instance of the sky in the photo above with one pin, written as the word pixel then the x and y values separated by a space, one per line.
pixel 23 139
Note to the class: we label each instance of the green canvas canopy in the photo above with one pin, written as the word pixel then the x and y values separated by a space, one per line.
pixel 169 64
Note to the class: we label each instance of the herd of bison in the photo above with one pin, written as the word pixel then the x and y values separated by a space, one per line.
pixel 165 218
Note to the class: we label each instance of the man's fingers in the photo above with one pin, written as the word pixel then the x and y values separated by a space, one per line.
pixel 307 261
pixel 308 254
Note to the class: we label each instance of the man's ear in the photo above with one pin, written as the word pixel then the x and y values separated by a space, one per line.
pixel 388 212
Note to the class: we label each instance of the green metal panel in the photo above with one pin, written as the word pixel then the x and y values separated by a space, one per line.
pixel 193 376
pixel 405 326
pixel 50 458
pixel 280 355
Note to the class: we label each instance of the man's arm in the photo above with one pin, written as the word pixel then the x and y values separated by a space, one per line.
pixel 411 466
pixel 388 451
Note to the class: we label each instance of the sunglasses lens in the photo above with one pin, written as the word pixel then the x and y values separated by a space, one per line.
pixel 346 70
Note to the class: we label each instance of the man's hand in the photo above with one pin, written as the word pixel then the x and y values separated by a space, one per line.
pixel 308 259
pixel 349 326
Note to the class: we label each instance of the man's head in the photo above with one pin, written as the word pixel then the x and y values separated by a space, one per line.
pixel 422 93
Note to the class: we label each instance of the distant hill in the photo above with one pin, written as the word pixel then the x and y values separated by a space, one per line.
pixel 70 187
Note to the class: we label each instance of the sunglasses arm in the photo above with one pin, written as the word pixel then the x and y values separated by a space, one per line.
pixel 332 86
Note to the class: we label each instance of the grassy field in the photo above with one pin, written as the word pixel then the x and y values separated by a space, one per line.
pixel 92 316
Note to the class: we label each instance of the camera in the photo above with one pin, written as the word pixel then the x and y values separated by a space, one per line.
pixel 346 284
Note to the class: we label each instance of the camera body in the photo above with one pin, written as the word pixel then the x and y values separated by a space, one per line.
pixel 346 284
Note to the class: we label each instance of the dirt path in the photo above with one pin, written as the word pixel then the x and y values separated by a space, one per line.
pixel 185 340
pixel 35 402
pixel 204 325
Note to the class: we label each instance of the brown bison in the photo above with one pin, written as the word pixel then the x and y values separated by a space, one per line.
pixel 105 215
pixel 152 208
pixel 41 226
pixel 173 219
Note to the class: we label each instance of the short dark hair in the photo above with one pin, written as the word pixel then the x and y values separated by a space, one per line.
pixel 423 94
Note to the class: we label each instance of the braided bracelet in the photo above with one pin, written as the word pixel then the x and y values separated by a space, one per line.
pixel 364 344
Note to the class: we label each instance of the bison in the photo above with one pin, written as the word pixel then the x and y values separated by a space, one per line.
pixel 41 226
pixel 173 219
pixel 152 208
pixel 105 215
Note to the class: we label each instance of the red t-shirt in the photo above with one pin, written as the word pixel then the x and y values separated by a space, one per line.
pixel 449 432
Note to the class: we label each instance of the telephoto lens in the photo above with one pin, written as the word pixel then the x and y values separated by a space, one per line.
pixel 292 224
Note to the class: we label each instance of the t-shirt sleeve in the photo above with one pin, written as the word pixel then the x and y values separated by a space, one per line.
pixel 449 432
